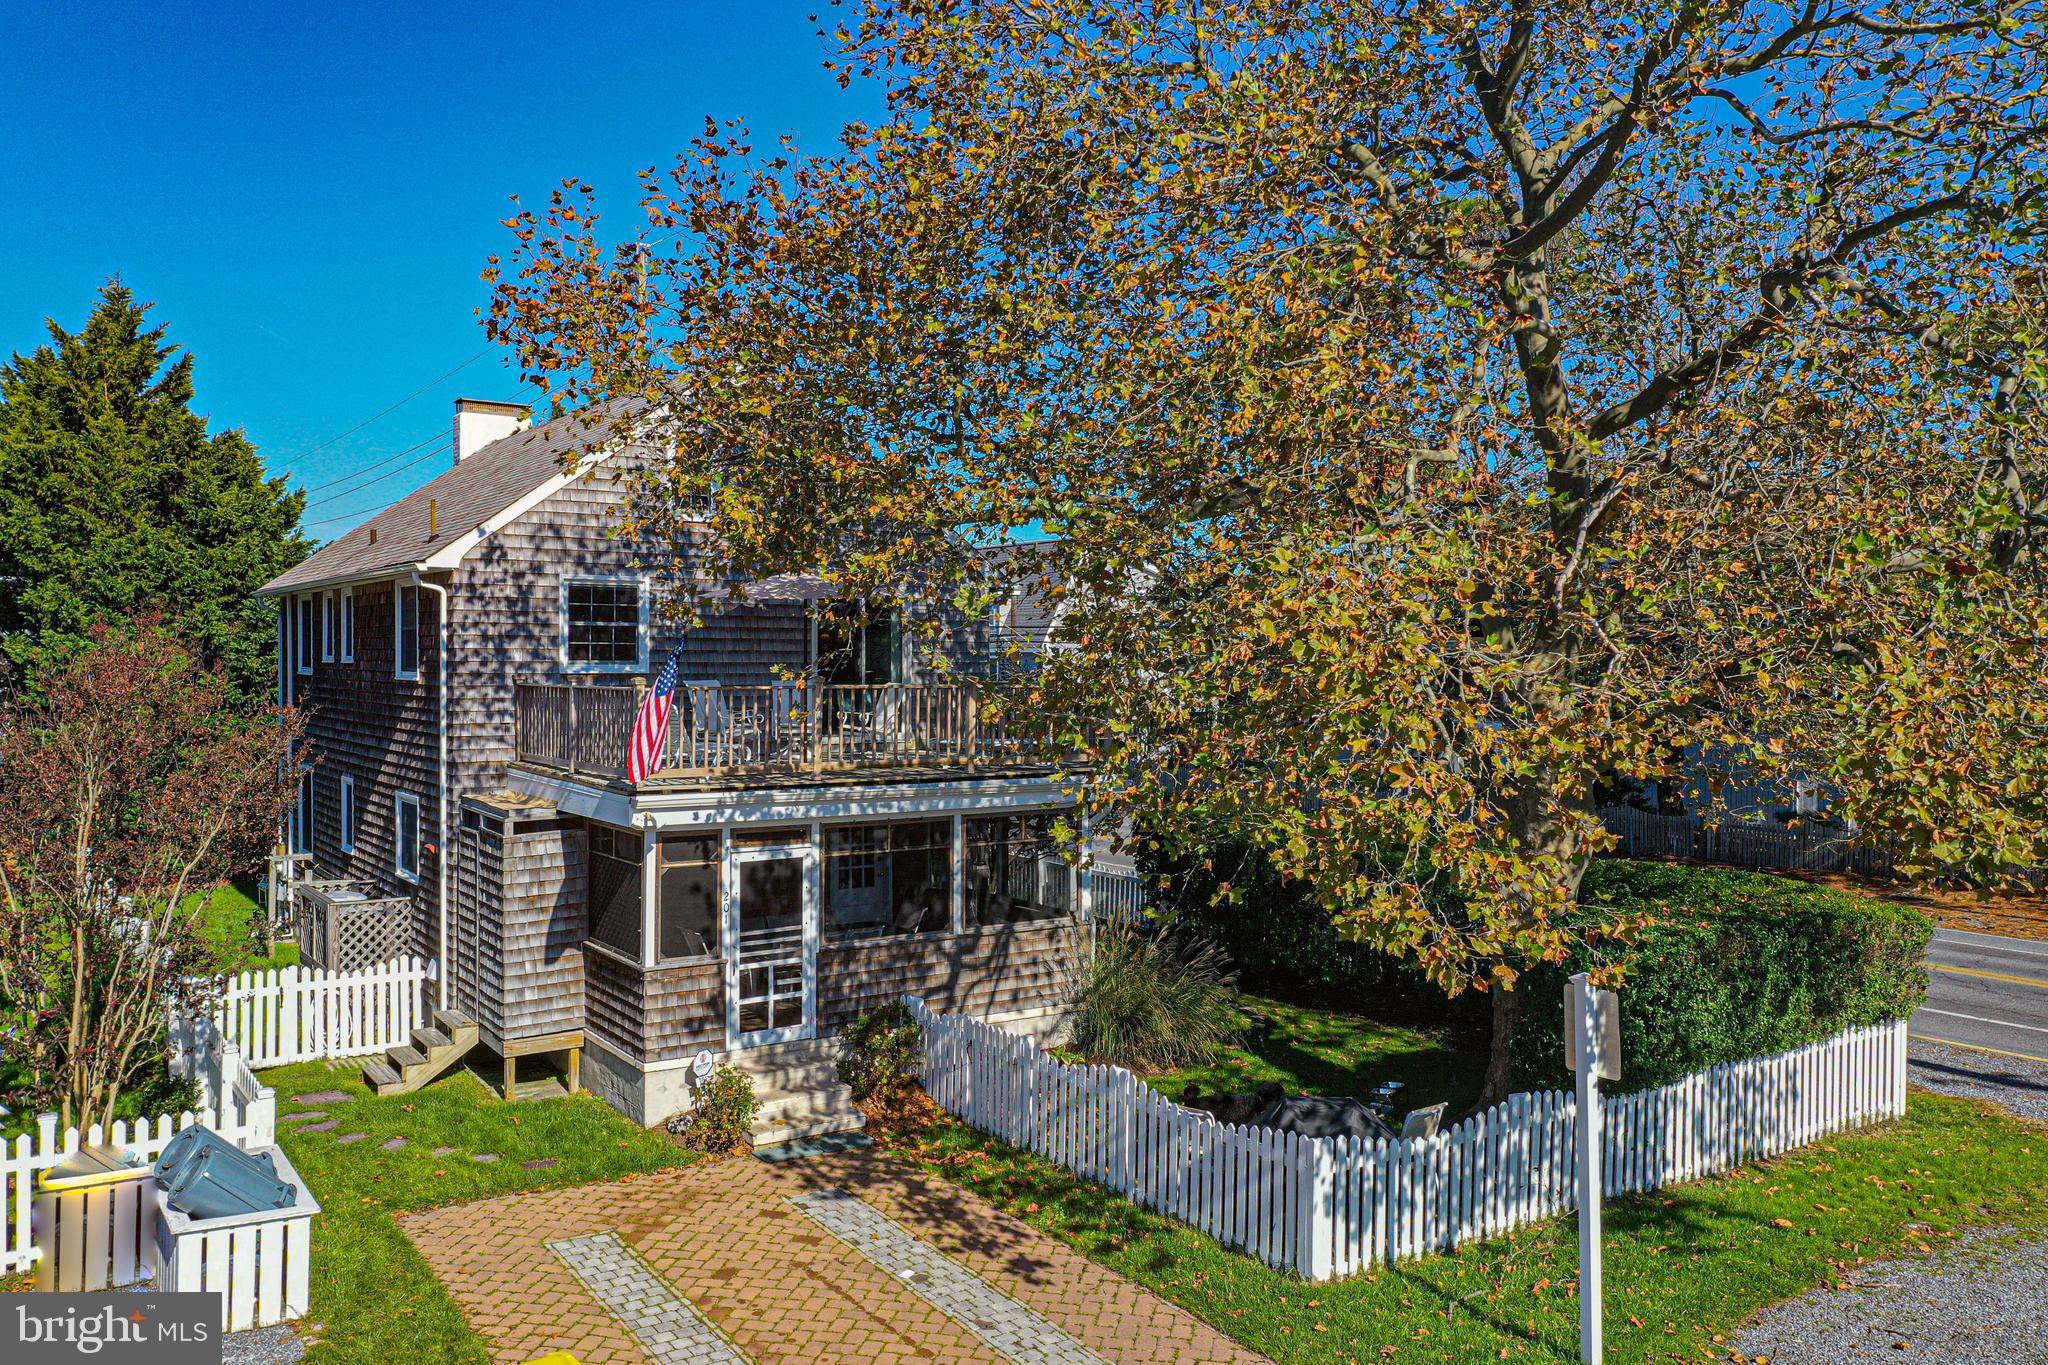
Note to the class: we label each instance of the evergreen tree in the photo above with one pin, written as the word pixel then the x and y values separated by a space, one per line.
pixel 114 497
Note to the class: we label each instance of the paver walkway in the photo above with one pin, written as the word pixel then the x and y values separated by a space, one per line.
pixel 1015 1331
pixel 728 1238
pixel 669 1328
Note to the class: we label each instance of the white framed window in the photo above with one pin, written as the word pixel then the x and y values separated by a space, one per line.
pixel 604 624
pixel 348 625
pixel 327 630
pixel 405 630
pixel 302 815
pixel 302 609
pixel 348 814
pixel 405 854
pixel 284 653
pixel 696 506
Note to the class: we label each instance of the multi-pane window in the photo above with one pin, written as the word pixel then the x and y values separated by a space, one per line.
pixel 405 653
pixel 601 624
pixel 615 898
pixel 889 879
pixel 302 614
pixel 406 850
pixel 1015 871
pixel 690 903
pixel 302 815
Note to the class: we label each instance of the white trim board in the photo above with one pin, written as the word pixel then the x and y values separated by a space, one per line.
pixel 451 555
pixel 676 810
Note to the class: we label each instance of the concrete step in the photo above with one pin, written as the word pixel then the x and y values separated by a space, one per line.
pixel 790 1066
pixel 817 1125
pixel 794 1078
pixel 801 1104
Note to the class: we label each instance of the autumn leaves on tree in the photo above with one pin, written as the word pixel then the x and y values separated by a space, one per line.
pixel 1441 409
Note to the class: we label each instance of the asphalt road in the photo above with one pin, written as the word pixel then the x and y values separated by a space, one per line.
pixel 1986 994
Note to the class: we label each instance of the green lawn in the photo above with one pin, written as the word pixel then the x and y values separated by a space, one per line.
pixel 227 914
pixel 1321 1053
pixel 1684 1266
pixel 374 1300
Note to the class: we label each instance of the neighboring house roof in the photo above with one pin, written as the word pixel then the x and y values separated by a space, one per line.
pixel 478 496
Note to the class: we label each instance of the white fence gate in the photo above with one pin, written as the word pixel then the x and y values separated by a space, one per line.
pixel 1336 1206
pixel 303 1014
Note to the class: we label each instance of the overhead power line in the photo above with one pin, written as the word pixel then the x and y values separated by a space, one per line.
pixel 387 474
pixel 386 412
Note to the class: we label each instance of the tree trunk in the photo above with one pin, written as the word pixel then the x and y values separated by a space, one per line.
pixel 1539 826
pixel 1507 1013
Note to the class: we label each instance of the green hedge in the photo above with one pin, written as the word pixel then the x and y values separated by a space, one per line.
pixel 1743 964
pixel 1281 942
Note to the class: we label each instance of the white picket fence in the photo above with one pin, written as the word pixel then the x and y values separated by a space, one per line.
pixel 303 1014
pixel 263 1019
pixel 1335 1206
pixel 237 1106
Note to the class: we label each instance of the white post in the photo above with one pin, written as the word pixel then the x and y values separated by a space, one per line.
pixel 1582 1009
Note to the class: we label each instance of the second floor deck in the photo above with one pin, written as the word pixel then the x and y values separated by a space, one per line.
pixel 794 729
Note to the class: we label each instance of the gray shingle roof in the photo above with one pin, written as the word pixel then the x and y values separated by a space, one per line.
pixel 470 494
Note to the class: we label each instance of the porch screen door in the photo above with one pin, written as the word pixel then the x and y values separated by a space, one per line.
pixel 772 976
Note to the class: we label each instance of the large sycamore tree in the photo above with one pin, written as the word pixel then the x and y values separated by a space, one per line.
pixel 1443 409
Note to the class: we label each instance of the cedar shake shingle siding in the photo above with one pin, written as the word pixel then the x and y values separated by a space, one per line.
pixel 520 961
pixel 992 971
pixel 363 722
pixel 508 621
pixel 516 952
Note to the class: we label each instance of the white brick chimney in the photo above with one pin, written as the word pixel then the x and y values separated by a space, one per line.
pixel 480 421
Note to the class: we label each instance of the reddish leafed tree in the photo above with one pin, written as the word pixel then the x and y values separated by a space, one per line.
pixel 128 781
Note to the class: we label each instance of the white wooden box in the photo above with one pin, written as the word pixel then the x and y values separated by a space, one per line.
pixel 256 1262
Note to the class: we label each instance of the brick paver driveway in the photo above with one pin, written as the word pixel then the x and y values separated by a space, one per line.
pixel 732 1240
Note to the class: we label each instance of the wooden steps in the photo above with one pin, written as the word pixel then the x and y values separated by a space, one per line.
pixel 432 1050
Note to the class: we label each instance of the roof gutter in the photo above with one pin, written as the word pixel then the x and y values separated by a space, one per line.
pixel 441 772
pixel 383 575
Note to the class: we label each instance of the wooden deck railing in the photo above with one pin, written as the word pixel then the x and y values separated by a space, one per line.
pixel 793 727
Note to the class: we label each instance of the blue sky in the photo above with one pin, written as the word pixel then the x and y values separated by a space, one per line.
pixel 308 193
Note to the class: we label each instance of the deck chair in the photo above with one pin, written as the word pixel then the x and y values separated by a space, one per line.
pixel 1423 1122
pixel 710 724
pixel 786 736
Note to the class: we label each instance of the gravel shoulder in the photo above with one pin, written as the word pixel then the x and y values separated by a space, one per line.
pixel 2016 1085
pixel 1981 1298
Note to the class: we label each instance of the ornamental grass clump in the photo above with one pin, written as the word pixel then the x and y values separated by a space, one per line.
pixel 1153 999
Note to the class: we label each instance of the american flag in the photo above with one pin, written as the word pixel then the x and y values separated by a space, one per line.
pixel 650 727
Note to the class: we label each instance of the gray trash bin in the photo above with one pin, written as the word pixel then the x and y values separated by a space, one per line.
pixel 188 1144
pixel 210 1178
